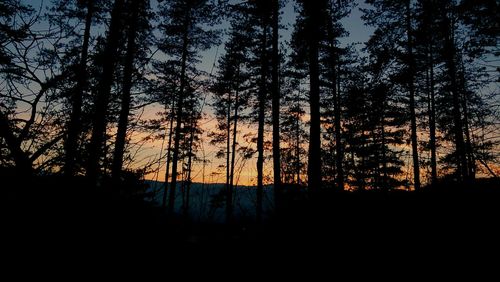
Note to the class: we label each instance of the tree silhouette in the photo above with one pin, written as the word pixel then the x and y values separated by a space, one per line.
pixel 185 37
pixel 104 91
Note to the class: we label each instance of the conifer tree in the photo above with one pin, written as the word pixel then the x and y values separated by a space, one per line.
pixel 185 34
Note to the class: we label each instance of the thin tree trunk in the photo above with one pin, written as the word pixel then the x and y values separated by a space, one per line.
pixel 74 126
pixel 450 54
pixel 488 168
pixel 338 135
pixel 385 183
pixel 229 196
pixel 411 88
pixel 432 117
pixel 229 207
pixel 334 65
pixel 276 105
pixel 314 160
pixel 432 94
pixel 103 93
pixel 260 131
pixel 117 164
pixel 169 149
pixel 471 162
pixel 180 105
pixel 297 148
pixel 189 168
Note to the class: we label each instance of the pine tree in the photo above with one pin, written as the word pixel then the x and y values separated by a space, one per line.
pixel 184 27
pixel 231 97
pixel 137 30
pixel 63 14
pixel 311 25
pixel 275 94
pixel 332 59
pixel 103 94
pixel 293 132
pixel 395 24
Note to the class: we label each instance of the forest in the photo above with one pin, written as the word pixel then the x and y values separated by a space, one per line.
pixel 122 110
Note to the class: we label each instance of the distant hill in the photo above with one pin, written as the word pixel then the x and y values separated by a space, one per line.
pixel 207 201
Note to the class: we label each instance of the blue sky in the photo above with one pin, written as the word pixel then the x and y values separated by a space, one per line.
pixel 358 32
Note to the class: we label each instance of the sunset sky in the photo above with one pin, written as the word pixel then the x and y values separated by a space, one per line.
pixel 212 171
pixel 246 169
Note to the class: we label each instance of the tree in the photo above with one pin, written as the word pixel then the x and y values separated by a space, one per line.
pixel 311 22
pixel 231 97
pixel 101 102
pixel 293 131
pixel 395 21
pixel 11 33
pixel 426 63
pixel 137 29
pixel 275 89
pixel 83 10
pixel 184 25
pixel 332 59
pixel 31 79
pixel 374 122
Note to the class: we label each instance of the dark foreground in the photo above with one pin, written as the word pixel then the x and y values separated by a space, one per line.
pixel 53 215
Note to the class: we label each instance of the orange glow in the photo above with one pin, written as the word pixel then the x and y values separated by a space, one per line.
pixel 213 170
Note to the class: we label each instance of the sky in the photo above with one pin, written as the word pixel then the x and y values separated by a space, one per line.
pixel 212 172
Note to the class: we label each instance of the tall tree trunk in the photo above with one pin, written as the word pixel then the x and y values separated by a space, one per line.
pixel 169 149
pixel 229 196
pixel 432 116
pixel 450 54
pixel 334 65
pixel 297 148
pixel 411 88
pixel 71 144
pixel 314 160
pixel 229 204
pixel 338 135
pixel 103 92
pixel 276 104
pixel 116 167
pixel 471 161
pixel 431 89
pixel 180 106
pixel 189 169
pixel 385 183
pixel 260 131
pixel 233 150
